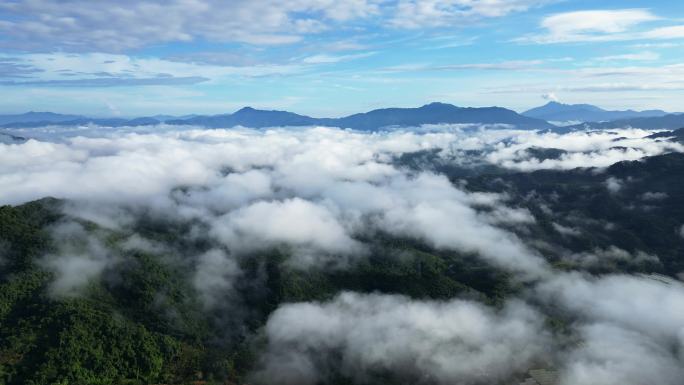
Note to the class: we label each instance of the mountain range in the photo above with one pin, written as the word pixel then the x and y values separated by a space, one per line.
pixel 559 112
pixel 667 122
pixel 433 113
pixel 33 116
pixel 589 118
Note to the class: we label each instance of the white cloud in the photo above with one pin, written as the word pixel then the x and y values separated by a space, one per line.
pixel 653 196
pixel 442 342
pixel 328 59
pixel 601 26
pixel 602 257
pixel 621 85
pixel 214 277
pixel 603 21
pixel 550 96
pixel 313 190
pixel 310 228
pixel 641 56
pixel 672 32
pixel 583 149
pixel 434 13
pixel 81 257
pixel 77 25
pixel 614 185
pixel 612 355
pixel 90 68
pixel 631 328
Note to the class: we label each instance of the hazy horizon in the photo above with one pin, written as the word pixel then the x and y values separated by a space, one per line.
pixel 110 115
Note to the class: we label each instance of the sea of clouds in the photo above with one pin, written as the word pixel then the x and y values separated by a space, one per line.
pixel 318 191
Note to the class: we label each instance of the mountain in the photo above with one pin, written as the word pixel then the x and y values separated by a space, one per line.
pixel 675 136
pixel 164 118
pixel 559 112
pixel 32 116
pixel 248 117
pixel 82 121
pixel 644 211
pixel 667 122
pixel 6 138
pixel 434 113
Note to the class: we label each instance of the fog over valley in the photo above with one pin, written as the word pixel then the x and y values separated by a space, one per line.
pixel 441 254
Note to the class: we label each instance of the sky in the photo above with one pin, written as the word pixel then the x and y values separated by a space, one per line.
pixel 328 58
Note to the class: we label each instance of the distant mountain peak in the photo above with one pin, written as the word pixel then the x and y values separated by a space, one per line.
pixel 554 111
pixel 37 116
pixel 432 113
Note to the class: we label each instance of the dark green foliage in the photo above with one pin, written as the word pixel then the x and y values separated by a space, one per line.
pixel 626 218
pixel 155 294
pixel 111 334
pixel 22 234
pixel 76 342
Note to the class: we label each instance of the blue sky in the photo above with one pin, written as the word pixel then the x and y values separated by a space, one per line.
pixel 330 58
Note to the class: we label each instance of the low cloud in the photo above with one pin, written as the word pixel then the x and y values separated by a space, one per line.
pixel 315 195
pixel 311 229
pixel 631 328
pixel 604 257
pixel 612 355
pixel 313 189
pixel 358 335
pixel 81 257
pixel 614 185
pixel 215 276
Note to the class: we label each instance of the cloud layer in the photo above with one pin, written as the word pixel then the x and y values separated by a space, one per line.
pixel 316 195
pixel 433 342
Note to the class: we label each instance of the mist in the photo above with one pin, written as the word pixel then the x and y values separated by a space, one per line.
pixel 320 198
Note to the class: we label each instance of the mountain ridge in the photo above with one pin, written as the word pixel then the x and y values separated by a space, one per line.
pixel 432 113
pixel 559 112
pixel 34 116
pixel 667 122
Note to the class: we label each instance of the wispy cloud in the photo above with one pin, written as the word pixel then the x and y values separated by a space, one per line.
pixel 413 14
pixel 640 56
pixel 512 65
pixel 109 82
pixel 601 26
pixel 78 25
pixel 328 59
pixel 107 70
